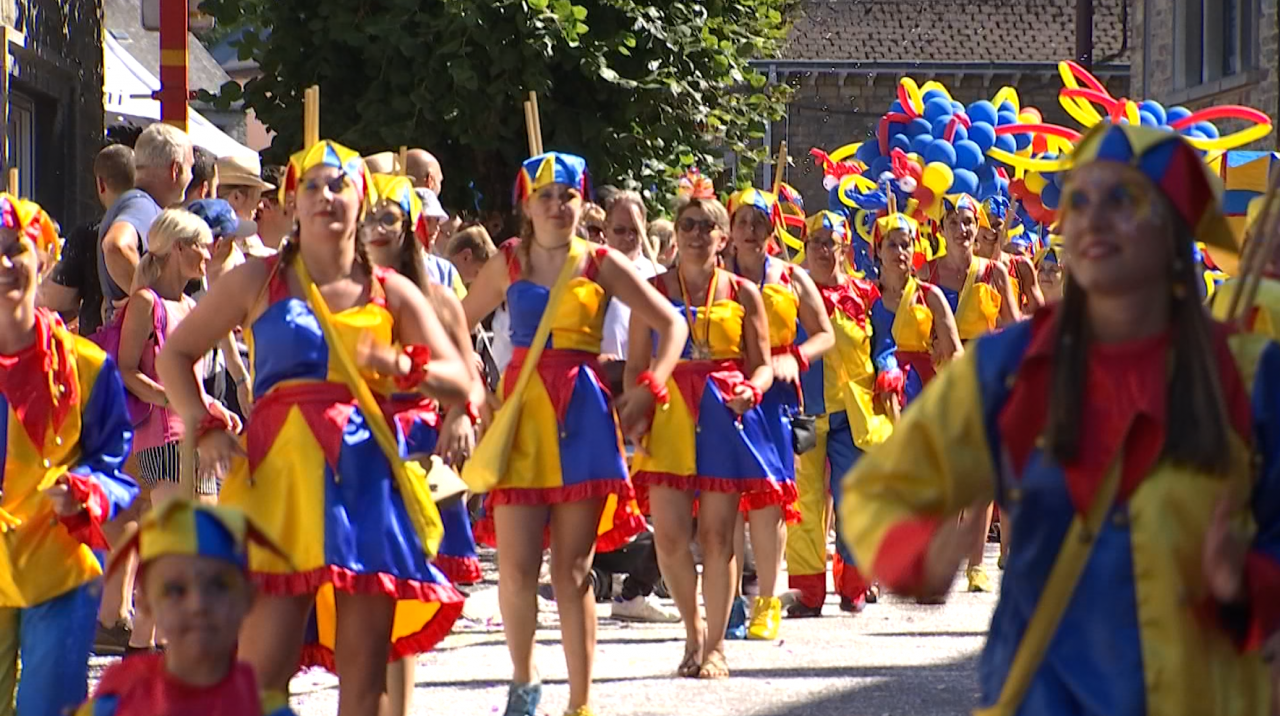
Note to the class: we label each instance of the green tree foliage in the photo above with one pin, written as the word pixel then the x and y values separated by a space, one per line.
pixel 643 90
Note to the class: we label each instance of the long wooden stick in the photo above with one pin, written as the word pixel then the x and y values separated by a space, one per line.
pixel 311 116
pixel 1260 247
pixel 530 128
pixel 13 181
pixel 537 120
pixel 403 170
pixel 782 162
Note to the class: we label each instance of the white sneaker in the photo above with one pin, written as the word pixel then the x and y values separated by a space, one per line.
pixel 644 609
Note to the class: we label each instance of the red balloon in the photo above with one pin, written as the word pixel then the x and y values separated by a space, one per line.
pixel 923 194
pixel 1018 188
pixel 1039 144
pixel 1230 111
pixel 1033 112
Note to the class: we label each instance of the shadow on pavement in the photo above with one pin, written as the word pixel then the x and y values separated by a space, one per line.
pixel 949 689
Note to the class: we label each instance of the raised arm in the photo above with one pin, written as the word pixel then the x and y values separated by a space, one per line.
pixel 755 340
pixel 139 323
pixel 448 379
pixel 1009 312
pixel 648 309
pixel 488 291
pixel 120 252
pixel 1028 284
pixel 813 317
pixel 947 346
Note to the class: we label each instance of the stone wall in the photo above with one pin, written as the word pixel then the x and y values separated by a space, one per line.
pixel 1152 59
pixel 60 69
pixel 828 111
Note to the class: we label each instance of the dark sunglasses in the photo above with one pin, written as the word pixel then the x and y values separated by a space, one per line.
pixel 336 185
pixel 703 226
pixel 386 220
pixel 594 230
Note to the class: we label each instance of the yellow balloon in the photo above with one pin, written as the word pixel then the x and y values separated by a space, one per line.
pixel 935 85
pixel 937 177
pixel 913 94
pixel 916 158
pixel 1131 111
pixel 1035 183
pixel 1008 94
pixel 1028 164
pixel 1233 140
pixel 845 152
pixel 1087 115
pixel 1059 145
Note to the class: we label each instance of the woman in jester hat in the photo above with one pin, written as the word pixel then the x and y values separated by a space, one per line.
pixel 920 326
pixel 321 475
pixel 799 333
pixel 852 389
pixel 1134 441
pixel 68 434
pixel 992 245
pixel 565 467
pixel 1051 268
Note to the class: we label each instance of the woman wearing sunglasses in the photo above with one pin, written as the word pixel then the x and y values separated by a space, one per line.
pixel 565 471
pixel 711 443
pixel 1134 441
pixel 850 389
pixel 799 333
pixel 350 523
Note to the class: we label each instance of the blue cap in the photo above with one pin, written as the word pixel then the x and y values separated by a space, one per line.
pixel 222 219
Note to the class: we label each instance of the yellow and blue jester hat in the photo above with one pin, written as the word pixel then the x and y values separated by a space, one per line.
pixel 330 154
pixel 31 221
pixel 963 202
pixel 552 168
pixel 399 190
pixel 193 529
pixel 837 224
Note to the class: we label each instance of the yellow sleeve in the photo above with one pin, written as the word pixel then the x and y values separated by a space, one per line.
pixel 936 463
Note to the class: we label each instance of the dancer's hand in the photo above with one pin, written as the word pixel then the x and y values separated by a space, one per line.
pixel 742 399
pixel 635 413
pixel 786 369
pixel 457 437
pixel 1225 550
pixel 949 546
pixel 64 504
pixel 381 358
pixel 217 449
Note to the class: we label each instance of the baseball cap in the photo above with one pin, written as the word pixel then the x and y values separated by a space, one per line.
pixel 222 219
pixel 431 208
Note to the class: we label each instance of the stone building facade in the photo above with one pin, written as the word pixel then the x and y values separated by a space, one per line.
pixel 1200 53
pixel 53 96
pixel 845 57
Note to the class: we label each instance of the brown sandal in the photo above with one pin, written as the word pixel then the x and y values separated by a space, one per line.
pixel 689 668
pixel 714 666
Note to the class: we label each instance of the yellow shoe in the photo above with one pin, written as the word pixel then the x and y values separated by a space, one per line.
pixel 978 579
pixel 766 619
pixel 581 711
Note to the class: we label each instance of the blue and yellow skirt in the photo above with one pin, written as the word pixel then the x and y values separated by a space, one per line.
pixel 318 484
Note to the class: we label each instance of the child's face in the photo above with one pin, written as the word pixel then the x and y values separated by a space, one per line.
pixel 198 604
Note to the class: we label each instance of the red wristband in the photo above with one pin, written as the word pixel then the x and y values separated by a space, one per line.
pixel 473 413
pixel 211 423
pixel 419 357
pixel 660 394
pixel 756 393
pixel 803 362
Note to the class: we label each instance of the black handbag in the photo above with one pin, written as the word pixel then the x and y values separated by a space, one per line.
pixel 804 433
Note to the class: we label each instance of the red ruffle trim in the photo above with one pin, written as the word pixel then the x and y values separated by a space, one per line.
pixel 459 570
pixel 784 494
pixel 424 640
pixel 628 521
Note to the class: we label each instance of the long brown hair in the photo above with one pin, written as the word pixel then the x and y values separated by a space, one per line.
pixel 1196 418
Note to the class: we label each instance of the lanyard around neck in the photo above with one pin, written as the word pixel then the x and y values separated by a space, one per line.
pixel 690 313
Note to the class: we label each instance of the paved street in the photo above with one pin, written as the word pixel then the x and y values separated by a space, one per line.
pixel 896 658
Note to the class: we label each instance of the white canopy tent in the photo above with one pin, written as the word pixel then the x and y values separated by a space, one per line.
pixel 125 80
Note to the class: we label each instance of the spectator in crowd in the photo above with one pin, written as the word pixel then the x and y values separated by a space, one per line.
pixel 468 250
pixel 592 226
pixel 433 215
pixel 163 159
pixel 662 235
pixel 73 286
pixel 639 561
pixel 424 170
pixel 204 176
pixel 625 225
pixel 275 220
pixel 226 377
pixel 448 228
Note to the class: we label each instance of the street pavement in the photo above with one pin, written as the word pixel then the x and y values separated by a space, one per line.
pixel 897 658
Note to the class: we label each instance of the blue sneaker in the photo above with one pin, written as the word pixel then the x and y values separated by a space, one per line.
pixel 737 628
pixel 522 699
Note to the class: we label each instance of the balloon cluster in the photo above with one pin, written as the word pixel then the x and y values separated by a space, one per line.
pixel 931 145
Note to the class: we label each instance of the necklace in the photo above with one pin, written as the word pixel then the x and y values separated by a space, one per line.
pixel 537 245
pixel 701 350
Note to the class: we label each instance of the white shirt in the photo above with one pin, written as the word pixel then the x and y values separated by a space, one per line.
pixel 617 318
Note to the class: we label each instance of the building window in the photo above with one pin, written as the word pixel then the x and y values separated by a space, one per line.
pixel 1214 40
pixel 22 141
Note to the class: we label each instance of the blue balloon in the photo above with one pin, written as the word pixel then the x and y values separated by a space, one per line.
pixel 956 107
pixel 982 111
pixel 1175 113
pixel 968 155
pixel 1155 109
pixel 878 166
pixel 1207 129
pixel 964 182
pixel 1004 118
pixel 983 134
pixel 1008 143
pixel 918 126
pixel 1147 119
pixel 896 106
pixel 1193 132
pixel 960 134
pixel 868 152
pixel 896 128
pixel 935 108
pixel 934 94
pixel 986 189
pixel 1002 186
pixel 1020 141
pixel 920 143
pixel 939 127
pixel 1007 106
pixel 1050 195
pixel 942 152
pixel 900 141
pixel 986 172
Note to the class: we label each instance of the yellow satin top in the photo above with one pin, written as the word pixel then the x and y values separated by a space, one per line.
pixel 578 323
pixel 781 306
pixel 913 320
pixel 979 306
pixel 720 330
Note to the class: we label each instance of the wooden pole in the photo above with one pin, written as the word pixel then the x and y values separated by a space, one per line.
pixel 1264 237
pixel 403 170
pixel 531 128
pixel 14 187
pixel 537 120
pixel 782 162
pixel 311 116
pixel 173 63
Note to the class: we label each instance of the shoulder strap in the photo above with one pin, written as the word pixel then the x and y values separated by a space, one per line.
pixel 571 261
pixel 159 318
pixel 508 250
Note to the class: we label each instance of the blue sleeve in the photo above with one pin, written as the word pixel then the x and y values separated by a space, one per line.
pixel 139 211
pixel 884 351
pixel 105 439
